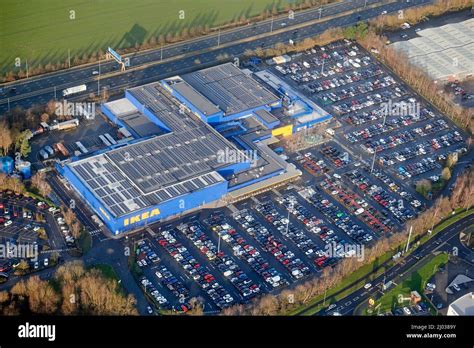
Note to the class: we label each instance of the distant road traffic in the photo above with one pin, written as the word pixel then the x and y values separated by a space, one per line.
pixel 348 304
pixel 193 54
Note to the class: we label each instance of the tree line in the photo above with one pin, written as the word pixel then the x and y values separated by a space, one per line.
pixel 74 290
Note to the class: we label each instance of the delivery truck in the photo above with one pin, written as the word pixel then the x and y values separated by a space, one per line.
pixel 74 90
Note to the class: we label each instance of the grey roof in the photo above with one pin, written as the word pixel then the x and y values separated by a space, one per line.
pixel 125 111
pixel 231 89
pixel 158 169
pixel 443 52
pixel 196 98
pixel 266 116
pixel 141 124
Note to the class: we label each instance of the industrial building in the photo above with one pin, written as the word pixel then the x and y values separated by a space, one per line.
pixel 445 53
pixel 464 305
pixel 181 128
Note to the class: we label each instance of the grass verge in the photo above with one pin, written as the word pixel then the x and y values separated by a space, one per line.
pixel 418 276
pixel 362 273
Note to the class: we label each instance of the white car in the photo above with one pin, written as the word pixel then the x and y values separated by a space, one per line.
pixel 367 286
pixel 45 262
pixel 7 223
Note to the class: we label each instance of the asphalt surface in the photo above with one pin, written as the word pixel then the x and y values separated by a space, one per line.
pixel 15 231
pixel 440 242
pixel 182 57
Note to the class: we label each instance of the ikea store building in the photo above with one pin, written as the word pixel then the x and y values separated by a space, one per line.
pixel 172 163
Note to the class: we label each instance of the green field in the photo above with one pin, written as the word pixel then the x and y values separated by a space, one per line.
pixel 416 281
pixel 42 32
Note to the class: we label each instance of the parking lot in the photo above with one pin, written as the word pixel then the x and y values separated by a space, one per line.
pixel 388 137
pixel 27 221
pixel 20 224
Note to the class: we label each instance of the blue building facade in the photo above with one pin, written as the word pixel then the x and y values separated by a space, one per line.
pixel 146 216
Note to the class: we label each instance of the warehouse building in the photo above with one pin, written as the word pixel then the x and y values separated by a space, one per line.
pixel 446 53
pixel 464 305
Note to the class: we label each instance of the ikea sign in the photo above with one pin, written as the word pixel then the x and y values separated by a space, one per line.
pixel 141 217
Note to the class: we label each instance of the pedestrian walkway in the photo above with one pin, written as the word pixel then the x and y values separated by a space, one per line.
pixel 233 208
pixel 255 200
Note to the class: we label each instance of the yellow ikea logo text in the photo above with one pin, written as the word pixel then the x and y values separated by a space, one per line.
pixel 140 217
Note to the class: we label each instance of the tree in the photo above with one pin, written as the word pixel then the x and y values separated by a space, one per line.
pixel 51 107
pixel 446 174
pixel 76 230
pixel 423 187
pixel 41 296
pixel 44 117
pixel 39 182
pixel 23 266
pixel 451 160
pixel 22 144
pixel 5 138
pixel 69 216
pixel 197 307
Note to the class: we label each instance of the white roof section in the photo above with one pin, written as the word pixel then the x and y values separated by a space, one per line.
pixel 121 106
pixel 445 52
pixel 463 305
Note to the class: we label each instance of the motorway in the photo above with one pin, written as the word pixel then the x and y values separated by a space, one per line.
pixel 183 57
pixel 440 242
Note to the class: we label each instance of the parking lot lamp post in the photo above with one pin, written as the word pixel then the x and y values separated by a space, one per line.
pixel 320 10
pixel 408 240
pixel 373 161
pixel 98 81
pixel 219 244
pixel 384 119
pixel 271 25
pixel 8 101
pixel 218 37
pixel 434 218
pixel 288 219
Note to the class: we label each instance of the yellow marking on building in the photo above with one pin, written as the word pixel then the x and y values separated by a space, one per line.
pixel 285 130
